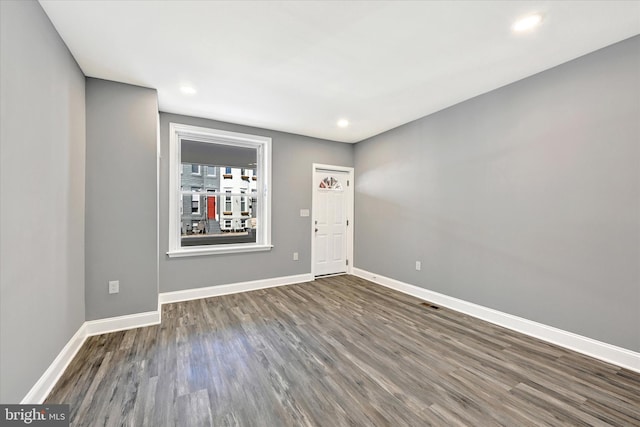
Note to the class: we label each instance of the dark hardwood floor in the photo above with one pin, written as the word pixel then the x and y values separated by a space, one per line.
pixel 339 351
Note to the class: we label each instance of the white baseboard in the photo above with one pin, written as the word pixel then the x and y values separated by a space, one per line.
pixel 121 323
pixel 43 386
pixel 606 352
pixel 234 288
pixel 609 353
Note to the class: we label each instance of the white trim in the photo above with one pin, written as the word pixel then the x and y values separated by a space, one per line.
pixel 158 161
pixel 349 191
pixel 220 249
pixel 50 377
pixel 175 179
pixel 234 288
pixel 121 323
pixel 609 353
pixel 606 352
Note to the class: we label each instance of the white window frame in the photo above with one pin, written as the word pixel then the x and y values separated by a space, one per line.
pixel 262 144
pixel 199 172
pixel 213 168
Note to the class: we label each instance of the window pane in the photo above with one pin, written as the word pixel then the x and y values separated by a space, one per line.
pixel 220 217
pixel 330 183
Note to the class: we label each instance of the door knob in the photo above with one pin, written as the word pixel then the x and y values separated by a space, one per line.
pixel 316 230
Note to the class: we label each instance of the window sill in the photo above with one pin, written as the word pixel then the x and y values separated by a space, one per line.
pixel 200 251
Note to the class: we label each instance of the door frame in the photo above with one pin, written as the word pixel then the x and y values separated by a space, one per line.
pixel 349 210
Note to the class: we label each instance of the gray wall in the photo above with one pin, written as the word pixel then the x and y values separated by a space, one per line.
pixel 42 129
pixel 293 156
pixel 121 196
pixel 525 199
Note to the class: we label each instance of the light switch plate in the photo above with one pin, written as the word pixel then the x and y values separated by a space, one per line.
pixel 304 212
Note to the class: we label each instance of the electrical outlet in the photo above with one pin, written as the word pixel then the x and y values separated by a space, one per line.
pixel 418 265
pixel 295 256
pixel 114 286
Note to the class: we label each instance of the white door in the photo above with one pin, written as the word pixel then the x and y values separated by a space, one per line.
pixel 330 222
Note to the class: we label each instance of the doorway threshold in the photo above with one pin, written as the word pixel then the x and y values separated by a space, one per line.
pixel 322 276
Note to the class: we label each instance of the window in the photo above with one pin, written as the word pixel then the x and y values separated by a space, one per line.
pixel 227 202
pixel 199 148
pixel 330 183
pixel 195 201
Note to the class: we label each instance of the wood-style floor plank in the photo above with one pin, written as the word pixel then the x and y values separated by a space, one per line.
pixel 339 351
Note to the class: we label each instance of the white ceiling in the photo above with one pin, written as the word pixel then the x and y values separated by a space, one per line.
pixel 300 66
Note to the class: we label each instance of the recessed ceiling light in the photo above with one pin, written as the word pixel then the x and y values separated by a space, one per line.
pixel 187 90
pixel 343 123
pixel 527 23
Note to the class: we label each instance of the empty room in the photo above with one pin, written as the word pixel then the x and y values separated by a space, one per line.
pixel 319 213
